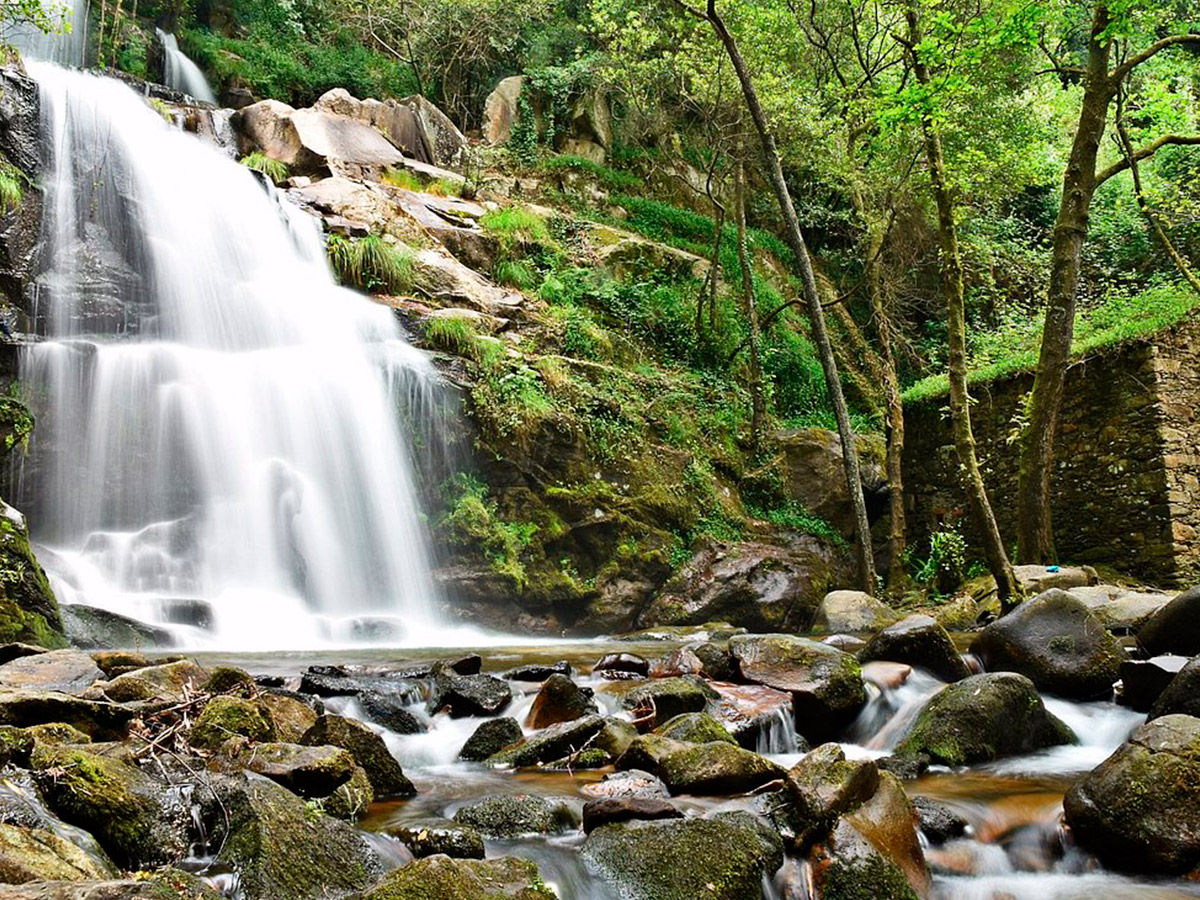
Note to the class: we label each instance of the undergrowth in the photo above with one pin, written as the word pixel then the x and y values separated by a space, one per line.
pixel 275 169
pixel 371 264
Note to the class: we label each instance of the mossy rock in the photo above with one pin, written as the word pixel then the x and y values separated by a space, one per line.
pixel 281 847
pixel 229 679
pixel 119 662
pixel 429 837
pixel 226 717
pixel 309 772
pixel 724 858
pixel 16 744
pixel 167 682
pixel 99 720
pixel 983 718
pixel 513 815
pixel 28 609
pixel 717 769
pixel 871 877
pixel 350 800
pixel 368 750
pixel 490 738
pixel 695 728
pixel 290 715
pixel 550 744
pixel 137 822
pixel 670 697
pixel 57 733
pixel 34 854
pixel 443 878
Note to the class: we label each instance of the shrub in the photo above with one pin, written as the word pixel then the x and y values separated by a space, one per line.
pixel 608 178
pixel 371 264
pixel 275 169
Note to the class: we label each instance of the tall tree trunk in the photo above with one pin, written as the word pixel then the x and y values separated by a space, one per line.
pixel 749 308
pixel 812 300
pixel 952 285
pixel 1035 536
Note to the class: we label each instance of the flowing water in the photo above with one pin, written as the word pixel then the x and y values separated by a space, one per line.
pixel 67 42
pixel 217 421
pixel 180 72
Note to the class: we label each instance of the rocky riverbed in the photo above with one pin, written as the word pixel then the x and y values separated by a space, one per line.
pixel 690 763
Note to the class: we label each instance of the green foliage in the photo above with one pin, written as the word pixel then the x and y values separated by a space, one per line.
pixel 12 190
pixel 453 334
pixel 517 274
pixel 275 169
pixel 471 519
pixel 515 224
pixel 371 264
pixel 402 178
pixel 794 516
pixel 945 568
pixel 608 178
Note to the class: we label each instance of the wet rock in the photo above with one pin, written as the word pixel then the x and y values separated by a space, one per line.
pixel 1175 628
pixel 165 884
pixel 647 751
pixel 102 721
pixel 626 809
pixel 982 718
pixel 389 710
pixel 119 662
pixel 938 821
pixel 512 815
pixel 761 586
pixel 56 733
pixel 1181 695
pixel 226 717
pixel 1139 810
pixel 350 799
pixel 367 748
pixel 695 728
pixel 34 854
pixel 1144 680
pixel 850 611
pixel 167 682
pixel 305 771
pixel 279 846
pixel 882 829
pixel 1037 579
pixel 550 744
pixel 560 700
pixel 665 698
pixel 726 858
pixel 469 695
pixel 229 680
pixel 906 768
pixel 490 738
pixel 537 672
pixel 825 683
pixel 290 715
pixel 621 665
pixel 28 610
pixel 616 736
pixel 443 878
pixel 748 711
pixel 918 641
pixel 68 671
pixel 1057 643
pixel 820 787
pixel 429 837
pixel 95 629
pixel 715 769
pixel 139 824
pixel 632 783
pixel 15 745
pixel 1130 610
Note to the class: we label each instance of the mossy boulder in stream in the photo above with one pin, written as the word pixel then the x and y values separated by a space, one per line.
pixel 512 815
pixel 443 878
pixel 1055 641
pixel 723 858
pixel 1139 810
pixel 35 854
pixel 226 717
pixel 717 768
pixel 368 750
pixel 918 641
pixel 695 728
pixel 983 718
pixel 28 610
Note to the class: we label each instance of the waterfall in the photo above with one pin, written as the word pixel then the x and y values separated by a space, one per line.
pixel 217 420
pixel 180 73
pixel 67 48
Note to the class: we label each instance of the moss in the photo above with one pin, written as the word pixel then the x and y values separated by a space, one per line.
pixel 442 878
pixel 226 679
pixel 873 878
pixel 16 744
pixel 695 728
pixel 224 717
pixel 369 752
pixel 28 610
pixel 57 733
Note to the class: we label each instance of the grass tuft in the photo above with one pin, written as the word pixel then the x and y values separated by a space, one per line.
pixel 275 169
pixel 11 190
pixel 371 264
pixel 402 178
pixel 452 334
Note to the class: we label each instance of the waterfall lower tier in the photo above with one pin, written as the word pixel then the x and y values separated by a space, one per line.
pixel 180 73
pixel 218 443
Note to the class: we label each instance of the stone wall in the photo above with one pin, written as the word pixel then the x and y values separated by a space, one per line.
pixel 1126 488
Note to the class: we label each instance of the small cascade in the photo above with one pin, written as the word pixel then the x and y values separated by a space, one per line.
pixel 891 708
pixel 219 424
pixel 180 73
pixel 777 735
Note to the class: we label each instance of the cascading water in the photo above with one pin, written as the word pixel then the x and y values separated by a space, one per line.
pixel 217 421
pixel 180 73
pixel 66 45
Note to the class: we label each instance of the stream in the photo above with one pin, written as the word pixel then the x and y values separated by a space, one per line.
pixel 1015 847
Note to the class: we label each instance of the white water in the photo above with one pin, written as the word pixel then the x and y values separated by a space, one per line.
pixel 66 46
pixel 180 73
pixel 217 421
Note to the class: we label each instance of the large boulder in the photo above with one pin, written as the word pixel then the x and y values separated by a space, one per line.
pixel 1175 628
pixel 137 821
pixel 490 738
pixel 469 695
pixel 756 716
pixel 982 718
pixel 309 772
pixel 165 884
pixel 695 728
pixel 1181 696
pixel 512 815
pixel 848 611
pixel 723 858
pixel 820 787
pixel 28 610
pixel 446 144
pixel 501 110
pixel 396 121
pixel 754 584
pixel 443 878
pixel 716 769
pixel 91 628
pixel 918 641
pixel 369 752
pixel 560 700
pixel 290 714
pixel 814 474
pixel 1034 579
pixel 550 744
pixel 1139 810
pixel 98 720
pixel 226 717
pixel 36 854
pixel 1057 643
pixel 166 682
pixel 826 684
pixel 67 671
pixel 280 847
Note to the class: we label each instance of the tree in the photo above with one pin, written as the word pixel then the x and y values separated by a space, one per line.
pixel 952 286
pixel 1105 71
pixel 812 298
